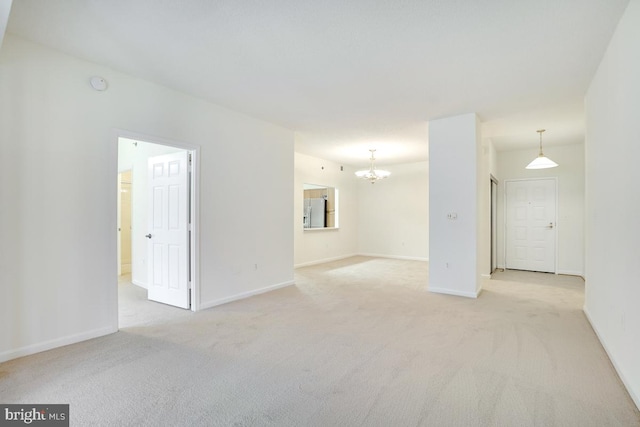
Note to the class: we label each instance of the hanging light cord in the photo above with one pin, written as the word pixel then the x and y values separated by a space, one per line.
pixel 540 132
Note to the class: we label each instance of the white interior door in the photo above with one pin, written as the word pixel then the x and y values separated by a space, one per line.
pixel 530 225
pixel 168 234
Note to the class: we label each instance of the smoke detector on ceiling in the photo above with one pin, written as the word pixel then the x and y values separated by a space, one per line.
pixel 98 83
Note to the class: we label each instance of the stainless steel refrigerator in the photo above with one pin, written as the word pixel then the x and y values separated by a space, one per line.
pixel 315 212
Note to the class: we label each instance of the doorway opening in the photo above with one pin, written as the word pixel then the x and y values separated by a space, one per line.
pixel 124 224
pixel 159 181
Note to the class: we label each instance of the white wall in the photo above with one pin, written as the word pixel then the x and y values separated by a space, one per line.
pixel 5 8
pixel 613 200
pixel 570 220
pixel 393 214
pixel 454 163
pixel 316 246
pixel 483 201
pixel 133 156
pixel 58 167
pixel 493 157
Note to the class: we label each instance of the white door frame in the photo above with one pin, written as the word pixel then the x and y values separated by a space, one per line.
pixel 493 191
pixel 194 205
pixel 120 219
pixel 119 224
pixel 504 231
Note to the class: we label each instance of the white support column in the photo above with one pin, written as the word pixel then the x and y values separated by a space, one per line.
pixel 455 164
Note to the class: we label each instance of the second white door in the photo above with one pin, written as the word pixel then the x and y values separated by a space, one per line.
pixel 531 225
pixel 168 234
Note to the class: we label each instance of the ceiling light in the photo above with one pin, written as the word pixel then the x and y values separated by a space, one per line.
pixel 372 174
pixel 541 162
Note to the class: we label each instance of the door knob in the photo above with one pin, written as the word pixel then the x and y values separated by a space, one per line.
pixel 148 236
pixel 550 225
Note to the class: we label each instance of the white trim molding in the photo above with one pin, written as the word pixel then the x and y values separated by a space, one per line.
pixel 324 260
pixel 407 258
pixel 571 273
pixel 447 291
pixel 139 283
pixel 55 343
pixel 244 295
pixel 634 397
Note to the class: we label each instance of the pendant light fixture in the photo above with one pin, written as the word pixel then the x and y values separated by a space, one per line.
pixel 541 162
pixel 372 174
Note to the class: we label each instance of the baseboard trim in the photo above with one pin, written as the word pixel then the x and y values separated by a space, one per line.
pixel 454 292
pixel 564 272
pixel 139 283
pixel 407 258
pixel 338 258
pixel 243 295
pixel 55 343
pixel 634 397
pixel 324 260
pixel 571 273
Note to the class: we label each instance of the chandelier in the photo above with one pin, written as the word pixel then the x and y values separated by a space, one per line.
pixel 541 162
pixel 372 174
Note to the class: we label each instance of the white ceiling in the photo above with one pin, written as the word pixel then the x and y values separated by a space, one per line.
pixel 350 75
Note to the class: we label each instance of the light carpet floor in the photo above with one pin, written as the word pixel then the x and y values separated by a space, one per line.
pixel 358 342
